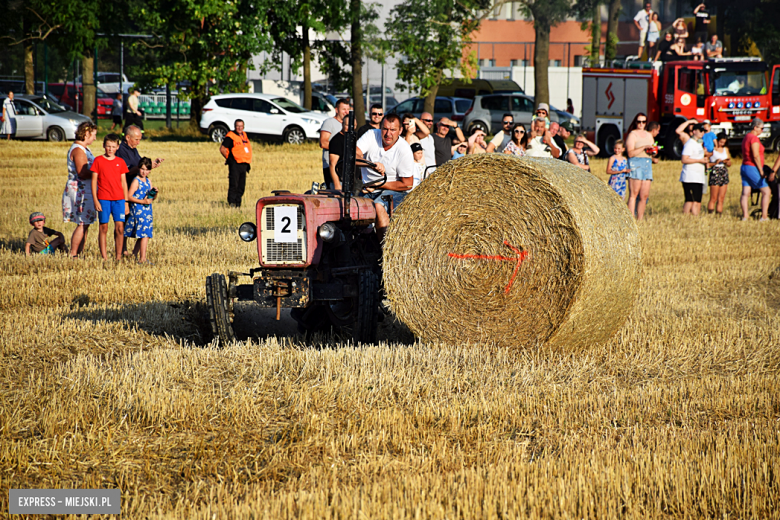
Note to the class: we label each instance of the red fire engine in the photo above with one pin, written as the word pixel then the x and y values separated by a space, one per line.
pixel 729 92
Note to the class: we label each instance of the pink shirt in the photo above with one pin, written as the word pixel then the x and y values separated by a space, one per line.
pixel 747 150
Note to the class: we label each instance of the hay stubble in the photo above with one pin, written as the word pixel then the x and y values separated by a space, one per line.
pixel 105 382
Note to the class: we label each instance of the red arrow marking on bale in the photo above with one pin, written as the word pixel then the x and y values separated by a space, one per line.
pixel 521 255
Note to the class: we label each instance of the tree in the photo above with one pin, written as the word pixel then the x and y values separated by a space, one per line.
pixel 284 21
pixel 362 17
pixel 546 14
pixel 431 36
pixel 613 16
pixel 749 22
pixel 208 43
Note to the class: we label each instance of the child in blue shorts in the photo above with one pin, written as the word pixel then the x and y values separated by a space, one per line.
pixel 109 190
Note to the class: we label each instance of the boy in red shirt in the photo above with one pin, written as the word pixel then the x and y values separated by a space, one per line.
pixel 109 191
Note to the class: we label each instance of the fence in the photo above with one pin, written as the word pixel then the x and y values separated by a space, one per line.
pixel 153 107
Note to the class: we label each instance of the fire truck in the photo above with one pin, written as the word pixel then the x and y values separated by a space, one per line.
pixel 729 92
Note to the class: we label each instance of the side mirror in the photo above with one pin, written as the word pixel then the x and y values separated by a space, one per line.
pixel 274 111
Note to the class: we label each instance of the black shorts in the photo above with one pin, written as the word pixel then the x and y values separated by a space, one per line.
pixel 117 120
pixel 693 191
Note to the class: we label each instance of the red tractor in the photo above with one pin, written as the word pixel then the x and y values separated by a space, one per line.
pixel 318 254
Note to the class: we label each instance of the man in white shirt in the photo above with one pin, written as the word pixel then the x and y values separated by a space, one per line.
pixel 541 142
pixel 429 149
pixel 9 116
pixel 642 22
pixel 393 157
pixel 503 137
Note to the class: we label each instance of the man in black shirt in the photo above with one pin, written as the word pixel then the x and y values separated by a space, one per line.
pixel 128 152
pixel 442 142
pixel 336 149
pixel 564 131
pixel 664 49
pixel 702 22
pixel 375 117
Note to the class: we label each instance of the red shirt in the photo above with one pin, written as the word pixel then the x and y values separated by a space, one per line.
pixel 747 152
pixel 109 181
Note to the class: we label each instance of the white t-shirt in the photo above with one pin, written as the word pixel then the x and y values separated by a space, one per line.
pixel 693 172
pixel 333 126
pixel 536 148
pixel 643 17
pixel 419 171
pixel 398 160
pixel 429 150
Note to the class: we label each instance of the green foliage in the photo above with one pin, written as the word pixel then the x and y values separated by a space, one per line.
pixel 753 21
pixel 205 42
pixel 430 35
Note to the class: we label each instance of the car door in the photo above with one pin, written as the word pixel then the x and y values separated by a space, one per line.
pixel 523 110
pixel 29 119
pixel 496 106
pixel 269 118
pixel 405 107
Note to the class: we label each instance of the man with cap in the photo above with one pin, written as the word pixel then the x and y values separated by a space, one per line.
pixel 419 164
pixel 38 239
pixel 708 140
pixel 543 112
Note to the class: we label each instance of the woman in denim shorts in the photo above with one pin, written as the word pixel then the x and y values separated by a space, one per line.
pixel 640 165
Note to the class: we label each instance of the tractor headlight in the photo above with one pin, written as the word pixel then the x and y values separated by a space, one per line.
pixel 327 232
pixel 247 231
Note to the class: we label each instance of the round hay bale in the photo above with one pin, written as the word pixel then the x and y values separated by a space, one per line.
pixel 517 252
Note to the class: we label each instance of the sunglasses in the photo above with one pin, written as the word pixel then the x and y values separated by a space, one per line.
pixel 641 121
pixel 508 123
pixel 377 114
pixel 427 120
pixel 519 131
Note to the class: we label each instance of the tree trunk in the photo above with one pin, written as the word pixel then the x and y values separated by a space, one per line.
pixel 29 68
pixel 196 108
pixel 430 99
pixel 541 61
pixel 356 54
pixel 595 35
pixel 610 52
pixel 306 67
pixel 88 80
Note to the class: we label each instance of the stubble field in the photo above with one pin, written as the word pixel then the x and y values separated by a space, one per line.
pixel 108 376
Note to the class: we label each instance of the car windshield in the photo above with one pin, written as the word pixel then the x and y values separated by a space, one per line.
pixel 738 82
pixel 461 105
pixel 48 105
pixel 289 105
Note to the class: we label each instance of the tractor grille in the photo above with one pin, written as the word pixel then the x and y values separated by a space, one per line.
pixel 282 252
pixel 268 211
pixel 277 253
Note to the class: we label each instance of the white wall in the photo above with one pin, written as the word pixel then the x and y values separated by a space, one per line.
pixel 564 82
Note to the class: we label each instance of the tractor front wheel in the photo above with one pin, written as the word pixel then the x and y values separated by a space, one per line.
pixel 220 308
pixel 364 329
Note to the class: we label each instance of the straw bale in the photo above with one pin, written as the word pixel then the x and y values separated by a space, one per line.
pixel 449 263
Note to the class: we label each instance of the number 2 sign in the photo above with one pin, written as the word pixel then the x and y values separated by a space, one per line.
pixel 286 224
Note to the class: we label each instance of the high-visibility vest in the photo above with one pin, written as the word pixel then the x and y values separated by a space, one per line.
pixel 242 148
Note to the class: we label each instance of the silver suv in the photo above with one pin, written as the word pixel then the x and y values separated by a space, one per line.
pixel 487 111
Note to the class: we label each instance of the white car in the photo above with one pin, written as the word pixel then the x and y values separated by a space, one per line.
pixel 40 118
pixel 263 114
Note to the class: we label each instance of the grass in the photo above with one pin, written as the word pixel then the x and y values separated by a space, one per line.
pixel 108 377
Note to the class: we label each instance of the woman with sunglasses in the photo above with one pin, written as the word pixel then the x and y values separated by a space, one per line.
pixel 640 165
pixel 518 143
pixel 477 142
pixel 579 155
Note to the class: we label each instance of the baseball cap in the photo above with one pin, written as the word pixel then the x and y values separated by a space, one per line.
pixel 568 126
pixel 35 217
pixel 416 147
pixel 544 106
pixel 706 122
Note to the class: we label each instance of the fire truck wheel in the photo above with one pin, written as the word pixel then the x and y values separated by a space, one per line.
pixel 673 147
pixel 608 135
pixel 218 303
pixel 364 328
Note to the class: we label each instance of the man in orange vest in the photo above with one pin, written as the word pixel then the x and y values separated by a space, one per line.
pixel 237 151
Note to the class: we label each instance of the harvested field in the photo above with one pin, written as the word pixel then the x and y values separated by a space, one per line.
pixel 108 377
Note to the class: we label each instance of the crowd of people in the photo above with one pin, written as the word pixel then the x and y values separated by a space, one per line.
pixel 113 186
pixel 675 42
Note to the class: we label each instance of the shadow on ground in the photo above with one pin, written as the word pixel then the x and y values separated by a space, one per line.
pixel 15 245
pixel 188 321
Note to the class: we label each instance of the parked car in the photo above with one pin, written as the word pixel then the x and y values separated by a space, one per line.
pixel 324 103
pixel 565 116
pixel 487 112
pixel 477 87
pixel 40 118
pixel 65 94
pixel 109 82
pixel 452 107
pixel 263 114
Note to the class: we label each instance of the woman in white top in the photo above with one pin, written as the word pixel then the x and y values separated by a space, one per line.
pixel 653 33
pixel 720 161
pixel 77 203
pixel 693 175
